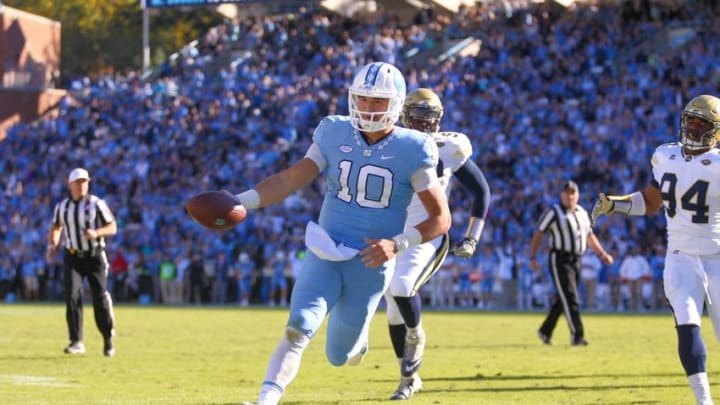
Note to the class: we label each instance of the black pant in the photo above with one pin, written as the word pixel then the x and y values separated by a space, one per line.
pixel 95 268
pixel 565 271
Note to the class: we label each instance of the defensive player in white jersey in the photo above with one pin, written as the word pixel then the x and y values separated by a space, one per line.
pixel 686 181
pixel 423 111
pixel 373 170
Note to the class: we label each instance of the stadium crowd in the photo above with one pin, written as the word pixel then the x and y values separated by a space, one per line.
pixel 550 95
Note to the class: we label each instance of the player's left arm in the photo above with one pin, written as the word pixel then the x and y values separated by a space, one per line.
pixel 647 201
pixel 279 186
pixel 436 205
pixel 472 179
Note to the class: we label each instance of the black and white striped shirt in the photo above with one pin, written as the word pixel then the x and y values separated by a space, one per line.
pixel 568 230
pixel 90 212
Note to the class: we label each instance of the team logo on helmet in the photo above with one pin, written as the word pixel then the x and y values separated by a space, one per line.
pixel 376 80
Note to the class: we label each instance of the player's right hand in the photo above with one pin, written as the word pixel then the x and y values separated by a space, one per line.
pixel 377 252
pixel 603 206
pixel 464 248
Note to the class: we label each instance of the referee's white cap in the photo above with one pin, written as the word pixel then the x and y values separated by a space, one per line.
pixel 78 174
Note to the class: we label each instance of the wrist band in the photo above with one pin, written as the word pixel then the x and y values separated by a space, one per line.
pixel 635 206
pixel 406 240
pixel 250 199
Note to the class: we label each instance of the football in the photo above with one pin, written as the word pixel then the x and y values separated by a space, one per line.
pixel 216 210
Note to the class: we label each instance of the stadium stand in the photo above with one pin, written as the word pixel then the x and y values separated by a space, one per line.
pixel 583 93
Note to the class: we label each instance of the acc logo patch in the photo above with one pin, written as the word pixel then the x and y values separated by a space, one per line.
pixel 440 144
pixel 346 149
pixel 705 162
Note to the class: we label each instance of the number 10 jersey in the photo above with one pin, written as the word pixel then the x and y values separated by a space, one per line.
pixel 369 186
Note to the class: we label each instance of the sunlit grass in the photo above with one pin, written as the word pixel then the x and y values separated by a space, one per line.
pixel 194 355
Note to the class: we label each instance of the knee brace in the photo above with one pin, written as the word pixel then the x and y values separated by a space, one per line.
pixel 691 349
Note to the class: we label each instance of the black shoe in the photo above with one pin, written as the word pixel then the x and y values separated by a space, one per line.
pixel 545 338
pixel 109 348
pixel 580 342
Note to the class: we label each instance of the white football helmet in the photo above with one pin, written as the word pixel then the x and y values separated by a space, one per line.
pixel 377 80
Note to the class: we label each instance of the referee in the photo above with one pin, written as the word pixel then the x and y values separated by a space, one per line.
pixel 570 230
pixel 84 220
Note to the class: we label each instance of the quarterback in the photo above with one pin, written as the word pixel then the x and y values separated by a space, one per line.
pixel 373 169
pixel 423 111
pixel 686 181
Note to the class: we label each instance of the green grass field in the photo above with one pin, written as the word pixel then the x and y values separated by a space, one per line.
pixel 197 355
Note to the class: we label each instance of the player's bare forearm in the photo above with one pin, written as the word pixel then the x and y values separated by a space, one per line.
pixel 277 187
pixel 651 196
pixel 436 206
pixel 653 199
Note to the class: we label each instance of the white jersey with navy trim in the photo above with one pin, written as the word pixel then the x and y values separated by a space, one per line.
pixel 454 149
pixel 690 189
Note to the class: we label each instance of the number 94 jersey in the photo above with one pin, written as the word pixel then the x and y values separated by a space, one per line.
pixel 454 149
pixel 690 189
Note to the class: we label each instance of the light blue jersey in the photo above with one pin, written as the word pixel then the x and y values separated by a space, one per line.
pixel 369 186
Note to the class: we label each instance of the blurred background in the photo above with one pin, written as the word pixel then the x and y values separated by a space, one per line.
pixel 160 102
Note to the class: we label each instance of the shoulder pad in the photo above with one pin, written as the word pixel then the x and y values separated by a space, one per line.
pixel 455 143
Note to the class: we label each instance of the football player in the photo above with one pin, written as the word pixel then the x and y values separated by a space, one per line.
pixel 373 169
pixel 423 111
pixel 686 181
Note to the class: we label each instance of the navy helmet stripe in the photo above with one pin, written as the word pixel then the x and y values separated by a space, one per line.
pixel 372 74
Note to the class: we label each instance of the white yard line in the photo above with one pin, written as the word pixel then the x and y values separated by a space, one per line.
pixel 17 379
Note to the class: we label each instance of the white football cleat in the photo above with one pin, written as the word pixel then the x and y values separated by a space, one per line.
pixel 75 348
pixel 407 388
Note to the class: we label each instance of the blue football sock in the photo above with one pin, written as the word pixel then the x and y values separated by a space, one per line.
pixel 409 308
pixel 691 349
pixel 397 336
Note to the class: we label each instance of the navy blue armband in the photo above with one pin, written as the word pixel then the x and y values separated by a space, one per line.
pixel 472 178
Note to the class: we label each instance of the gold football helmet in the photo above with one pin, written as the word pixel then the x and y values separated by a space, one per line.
pixel 700 123
pixel 422 111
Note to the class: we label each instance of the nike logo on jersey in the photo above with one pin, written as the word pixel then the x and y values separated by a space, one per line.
pixel 408 368
pixel 386 157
